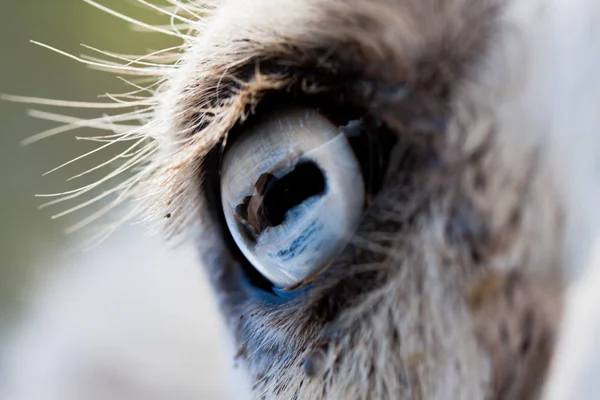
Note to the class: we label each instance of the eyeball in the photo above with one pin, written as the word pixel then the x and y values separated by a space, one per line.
pixel 292 194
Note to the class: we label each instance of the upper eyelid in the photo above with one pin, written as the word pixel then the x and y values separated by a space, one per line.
pixel 370 91
pixel 211 106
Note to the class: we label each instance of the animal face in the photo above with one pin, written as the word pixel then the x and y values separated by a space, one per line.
pixel 389 196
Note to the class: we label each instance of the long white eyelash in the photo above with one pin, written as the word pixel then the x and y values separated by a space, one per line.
pixel 71 123
pixel 139 23
pixel 135 125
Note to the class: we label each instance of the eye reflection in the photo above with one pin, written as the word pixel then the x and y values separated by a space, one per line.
pixel 273 197
pixel 292 194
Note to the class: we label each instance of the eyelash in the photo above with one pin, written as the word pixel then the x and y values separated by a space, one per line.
pixel 374 163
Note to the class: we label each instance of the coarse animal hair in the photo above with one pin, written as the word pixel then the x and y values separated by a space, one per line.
pixel 453 284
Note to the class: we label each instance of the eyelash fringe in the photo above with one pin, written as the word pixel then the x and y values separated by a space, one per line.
pixel 131 185
pixel 168 125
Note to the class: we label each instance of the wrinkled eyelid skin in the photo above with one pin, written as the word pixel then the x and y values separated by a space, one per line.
pixel 453 281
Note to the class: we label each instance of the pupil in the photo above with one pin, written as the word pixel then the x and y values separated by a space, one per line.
pixel 281 195
pixel 273 197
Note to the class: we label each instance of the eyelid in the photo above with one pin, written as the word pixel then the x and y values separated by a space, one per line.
pixel 360 129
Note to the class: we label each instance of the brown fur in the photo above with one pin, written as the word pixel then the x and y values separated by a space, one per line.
pixel 452 287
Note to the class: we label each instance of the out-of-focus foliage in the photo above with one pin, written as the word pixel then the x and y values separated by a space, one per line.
pixel 28 236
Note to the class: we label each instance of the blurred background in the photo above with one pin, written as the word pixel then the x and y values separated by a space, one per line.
pixel 125 325
pixel 29 238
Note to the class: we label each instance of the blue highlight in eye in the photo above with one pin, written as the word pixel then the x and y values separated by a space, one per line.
pixel 275 295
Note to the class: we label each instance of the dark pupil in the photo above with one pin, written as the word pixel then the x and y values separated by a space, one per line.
pixel 281 195
pixel 273 197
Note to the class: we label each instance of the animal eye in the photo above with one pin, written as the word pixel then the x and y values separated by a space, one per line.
pixel 292 193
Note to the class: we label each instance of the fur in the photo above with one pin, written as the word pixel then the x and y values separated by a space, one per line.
pixel 464 301
pixel 453 286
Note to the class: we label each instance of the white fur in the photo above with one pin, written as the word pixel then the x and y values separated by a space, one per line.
pixel 559 93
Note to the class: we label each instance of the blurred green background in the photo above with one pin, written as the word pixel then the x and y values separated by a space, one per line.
pixel 29 238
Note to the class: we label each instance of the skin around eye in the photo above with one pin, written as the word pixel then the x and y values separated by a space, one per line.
pixel 292 194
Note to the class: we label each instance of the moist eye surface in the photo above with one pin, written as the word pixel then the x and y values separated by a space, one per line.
pixel 274 197
pixel 292 194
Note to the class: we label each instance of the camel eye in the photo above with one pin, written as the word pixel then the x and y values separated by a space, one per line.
pixel 292 194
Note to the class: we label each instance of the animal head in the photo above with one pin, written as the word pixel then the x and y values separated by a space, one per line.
pixel 389 196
